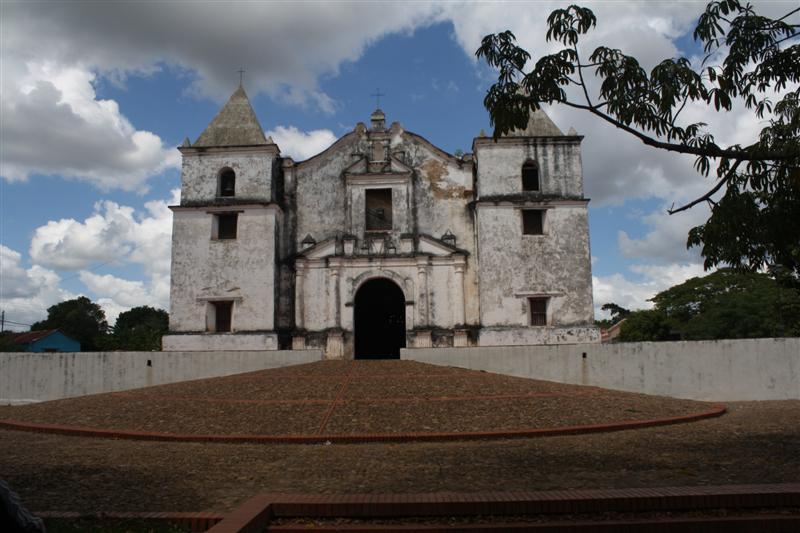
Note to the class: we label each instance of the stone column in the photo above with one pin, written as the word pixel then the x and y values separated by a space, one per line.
pixel 422 339
pixel 422 295
pixel 299 296
pixel 334 348
pixel 458 295
pixel 337 312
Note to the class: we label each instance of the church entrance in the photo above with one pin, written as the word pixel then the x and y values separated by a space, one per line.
pixel 380 320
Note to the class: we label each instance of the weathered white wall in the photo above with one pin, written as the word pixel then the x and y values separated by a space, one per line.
pixel 28 377
pixel 206 269
pixel 530 335
pixel 500 166
pixel 513 266
pixel 556 264
pixel 435 302
pixel 253 168
pixel 725 370
pixel 209 342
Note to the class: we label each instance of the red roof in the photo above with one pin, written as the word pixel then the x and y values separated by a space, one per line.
pixel 31 336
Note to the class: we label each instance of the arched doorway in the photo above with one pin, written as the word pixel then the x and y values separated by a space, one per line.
pixel 380 320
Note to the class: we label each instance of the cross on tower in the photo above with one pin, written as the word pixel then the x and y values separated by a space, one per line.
pixel 241 72
pixel 377 96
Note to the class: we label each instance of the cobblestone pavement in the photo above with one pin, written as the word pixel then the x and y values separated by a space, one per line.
pixel 755 442
pixel 330 398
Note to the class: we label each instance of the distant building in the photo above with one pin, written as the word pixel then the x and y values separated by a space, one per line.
pixel 610 334
pixel 379 242
pixel 47 340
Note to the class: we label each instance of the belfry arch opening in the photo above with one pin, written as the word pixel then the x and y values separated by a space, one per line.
pixel 379 320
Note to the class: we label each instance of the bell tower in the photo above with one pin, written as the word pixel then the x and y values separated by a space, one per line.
pixel 225 236
pixel 532 229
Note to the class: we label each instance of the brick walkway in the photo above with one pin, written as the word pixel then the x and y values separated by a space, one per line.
pixel 354 401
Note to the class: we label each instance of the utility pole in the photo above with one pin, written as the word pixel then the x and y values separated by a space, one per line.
pixel 2 321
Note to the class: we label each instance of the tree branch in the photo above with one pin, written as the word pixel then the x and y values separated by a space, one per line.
pixel 709 151
pixel 707 196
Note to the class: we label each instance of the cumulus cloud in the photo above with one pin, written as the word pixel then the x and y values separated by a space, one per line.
pixel 301 144
pixel 665 241
pixel 285 47
pixel 635 293
pixel 617 166
pixel 26 293
pixel 113 234
pixel 116 295
pixel 53 123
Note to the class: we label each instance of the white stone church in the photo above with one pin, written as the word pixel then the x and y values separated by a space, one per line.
pixel 380 242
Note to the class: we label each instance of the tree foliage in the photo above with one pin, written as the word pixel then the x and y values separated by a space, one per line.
pixel 755 223
pixel 140 328
pixel 617 313
pixel 726 304
pixel 80 318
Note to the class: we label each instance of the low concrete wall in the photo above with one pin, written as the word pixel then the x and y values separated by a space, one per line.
pixel 34 377
pixel 725 370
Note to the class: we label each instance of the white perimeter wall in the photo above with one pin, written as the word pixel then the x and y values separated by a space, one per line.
pixel 31 377
pixel 725 370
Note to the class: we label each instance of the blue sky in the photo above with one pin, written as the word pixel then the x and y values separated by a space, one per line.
pixel 95 98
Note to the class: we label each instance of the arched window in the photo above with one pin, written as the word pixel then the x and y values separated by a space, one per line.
pixel 530 176
pixel 226 183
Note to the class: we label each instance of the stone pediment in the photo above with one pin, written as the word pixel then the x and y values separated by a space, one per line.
pixel 223 291
pixel 432 246
pixel 364 170
pixel 326 248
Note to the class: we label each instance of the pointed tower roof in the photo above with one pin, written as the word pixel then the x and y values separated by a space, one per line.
pixel 235 124
pixel 539 125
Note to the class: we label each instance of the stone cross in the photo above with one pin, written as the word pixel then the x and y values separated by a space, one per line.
pixel 377 96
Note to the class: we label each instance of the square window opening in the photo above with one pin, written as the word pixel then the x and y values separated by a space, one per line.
pixel 378 208
pixel 530 177
pixel 537 315
pixel 225 226
pixel 220 316
pixel 533 222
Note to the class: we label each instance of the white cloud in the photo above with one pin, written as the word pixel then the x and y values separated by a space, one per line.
pixel 284 47
pixel 116 295
pixel 26 293
pixel 53 123
pixel 301 144
pixel 114 234
pixel 617 166
pixel 665 242
pixel 633 294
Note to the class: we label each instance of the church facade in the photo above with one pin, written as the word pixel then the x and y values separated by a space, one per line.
pixel 381 241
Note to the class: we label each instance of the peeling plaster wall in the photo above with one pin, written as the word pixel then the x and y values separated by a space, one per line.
pixel 210 342
pixel 431 191
pixel 253 175
pixel 205 269
pixel 429 306
pixel 522 336
pixel 319 191
pixel 515 266
pixel 555 264
pixel 500 166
